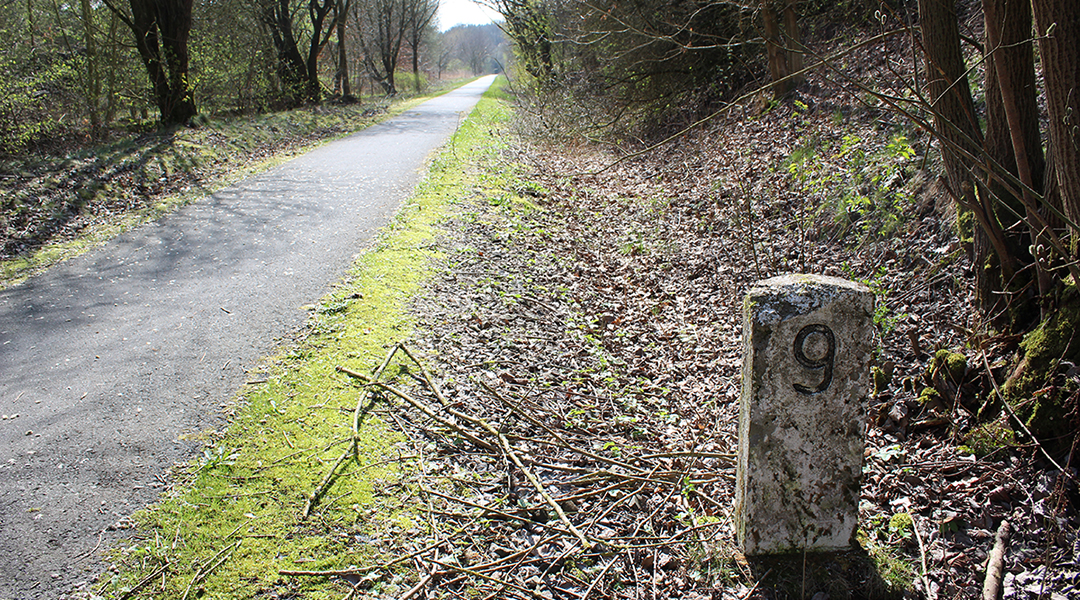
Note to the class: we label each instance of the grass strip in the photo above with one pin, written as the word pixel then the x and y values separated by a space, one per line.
pixel 239 506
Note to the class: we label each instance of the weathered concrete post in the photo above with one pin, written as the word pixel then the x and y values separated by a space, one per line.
pixel 805 377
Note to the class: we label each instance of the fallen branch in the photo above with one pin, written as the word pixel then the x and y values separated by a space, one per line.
pixel 323 485
pixel 358 413
pixel 922 555
pixel 424 581
pixel 424 409
pixel 145 581
pixel 995 566
pixel 475 573
pixel 210 566
pixel 537 485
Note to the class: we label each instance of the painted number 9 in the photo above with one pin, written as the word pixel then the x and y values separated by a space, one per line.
pixel 824 362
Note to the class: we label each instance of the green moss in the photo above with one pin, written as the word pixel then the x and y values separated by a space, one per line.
pixel 882 380
pixel 965 226
pixel 234 520
pixel 950 364
pixel 989 437
pixel 1030 389
pixel 928 395
pixel 901 524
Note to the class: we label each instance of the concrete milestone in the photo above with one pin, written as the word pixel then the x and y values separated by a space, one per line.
pixel 807 347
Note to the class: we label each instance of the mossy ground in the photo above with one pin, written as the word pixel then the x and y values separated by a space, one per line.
pixel 234 519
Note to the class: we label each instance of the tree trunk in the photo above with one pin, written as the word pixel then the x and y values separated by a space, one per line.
pixel 774 48
pixel 162 29
pixel 1012 143
pixel 93 80
pixel 1058 28
pixel 793 41
pixel 343 60
pixel 415 45
pixel 782 40
pixel 290 65
pixel 317 12
pixel 957 128
pixel 1008 37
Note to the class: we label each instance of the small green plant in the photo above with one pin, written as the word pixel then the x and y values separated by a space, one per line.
pixel 884 317
pixel 881 541
pixel 863 190
pixel 988 438
pixel 902 526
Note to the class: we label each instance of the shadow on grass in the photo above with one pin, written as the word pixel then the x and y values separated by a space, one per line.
pixel 847 575
pixel 53 193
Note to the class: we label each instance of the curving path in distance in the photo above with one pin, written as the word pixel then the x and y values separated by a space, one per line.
pixel 107 359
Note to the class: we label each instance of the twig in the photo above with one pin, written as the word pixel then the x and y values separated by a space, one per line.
pixel 425 409
pixel 689 454
pixel 1012 413
pixel 419 586
pixel 750 592
pixel 101 534
pixel 323 486
pixel 922 556
pixel 599 577
pixel 145 581
pixel 487 577
pixel 995 566
pixel 554 433
pixel 209 566
pixel 540 489
pixel 359 411
pixel 496 511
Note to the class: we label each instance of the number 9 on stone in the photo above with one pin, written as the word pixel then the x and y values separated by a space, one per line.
pixel 824 361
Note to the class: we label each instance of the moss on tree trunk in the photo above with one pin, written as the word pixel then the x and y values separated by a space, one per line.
pixel 1041 398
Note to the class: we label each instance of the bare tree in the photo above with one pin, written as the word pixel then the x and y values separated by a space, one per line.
pixel 381 25
pixel 418 15
pixel 299 74
pixel 1058 26
pixel 162 29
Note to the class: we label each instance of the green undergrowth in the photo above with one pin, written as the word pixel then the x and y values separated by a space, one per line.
pixel 58 207
pixel 234 519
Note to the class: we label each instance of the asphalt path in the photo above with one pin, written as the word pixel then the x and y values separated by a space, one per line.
pixel 109 359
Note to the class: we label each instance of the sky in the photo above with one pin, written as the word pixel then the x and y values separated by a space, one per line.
pixel 464 12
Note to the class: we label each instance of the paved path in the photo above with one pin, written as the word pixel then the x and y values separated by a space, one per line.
pixel 108 358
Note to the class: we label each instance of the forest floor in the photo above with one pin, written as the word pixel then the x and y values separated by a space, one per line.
pixel 600 332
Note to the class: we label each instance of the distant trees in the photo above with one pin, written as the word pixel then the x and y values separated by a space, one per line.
pixel 475 48
pixel 73 69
